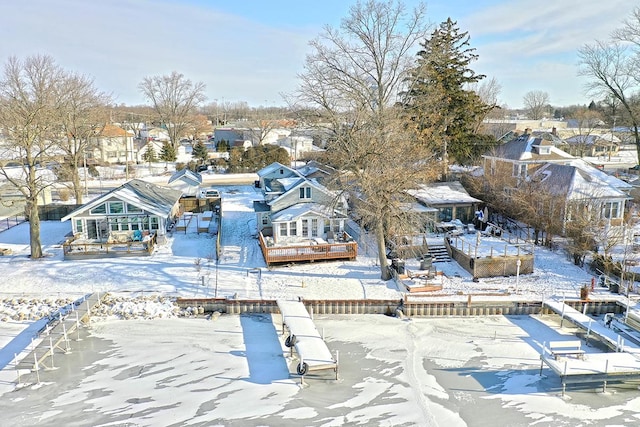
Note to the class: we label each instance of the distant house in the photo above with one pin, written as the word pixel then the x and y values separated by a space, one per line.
pixel 111 144
pixel 520 157
pixel 592 145
pixel 317 171
pixel 186 181
pixel 134 206
pixel 530 159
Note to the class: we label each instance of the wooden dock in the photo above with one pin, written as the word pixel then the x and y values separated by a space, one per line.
pixel 578 367
pixel 305 338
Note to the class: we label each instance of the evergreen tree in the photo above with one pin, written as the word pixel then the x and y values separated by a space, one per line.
pixel 168 153
pixel 439 100
pixel 200 152
pixel 149 155
pixel 223 146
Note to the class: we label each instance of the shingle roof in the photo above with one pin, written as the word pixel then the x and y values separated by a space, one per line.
pixel 145 195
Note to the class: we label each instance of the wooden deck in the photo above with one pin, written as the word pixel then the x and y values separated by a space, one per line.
pixel 311 252
pixel 83 249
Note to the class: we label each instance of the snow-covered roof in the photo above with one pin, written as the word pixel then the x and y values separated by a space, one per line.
pixel 300 209
pixel 600 174
pixel 274 167
pixel 145 195
pixel 188 176
pixel 311 182
pixel 574 183
pixel 524 148
pixel 442 193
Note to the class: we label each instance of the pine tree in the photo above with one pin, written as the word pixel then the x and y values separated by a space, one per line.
pixel 149 155
pixel 439 101
pixel 200 152
pixel 168 153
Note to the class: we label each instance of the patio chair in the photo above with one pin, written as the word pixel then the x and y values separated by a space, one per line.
pixel 137 236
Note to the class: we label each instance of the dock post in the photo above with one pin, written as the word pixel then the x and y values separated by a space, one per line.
pixel 337 362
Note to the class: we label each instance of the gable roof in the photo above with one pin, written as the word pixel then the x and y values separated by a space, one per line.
pixel 442 193
pixel 600 174
pixel 145 195
pixel 524 148
pixel 298 210
pixel 188 176
pixel 274 167
pixel 295 185
pixel 572 183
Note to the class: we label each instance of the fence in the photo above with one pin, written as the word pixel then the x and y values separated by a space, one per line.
pixel 7 223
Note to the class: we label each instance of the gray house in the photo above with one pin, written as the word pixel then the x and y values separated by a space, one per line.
pixel 134 208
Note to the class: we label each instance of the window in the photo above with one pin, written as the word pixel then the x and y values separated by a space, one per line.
pixel 153 223
pixel 265 220
pixel 305 192
pixel 611 210
pixel 100 209
pixel 314 227
pixel 283 229
pixel 293 228
pixel 79 228
pixel 133 209
pixel 114 224
pixel 116 207
pixel 305 227
pixel 520 170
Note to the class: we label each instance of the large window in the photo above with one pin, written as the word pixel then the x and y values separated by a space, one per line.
pixel 314 227
pixel 79 228
pixel 283 228
pixel 133 209
pixel 305 227
pixel 100 209
pixel 293 228
pixel 116 207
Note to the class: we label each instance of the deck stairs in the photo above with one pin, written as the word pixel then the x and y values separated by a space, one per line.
pixel 438 252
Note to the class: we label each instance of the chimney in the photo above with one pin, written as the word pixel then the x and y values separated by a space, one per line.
pixel 554 131
pixel 527 131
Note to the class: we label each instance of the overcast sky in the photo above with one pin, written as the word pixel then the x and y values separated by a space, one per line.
pixel 252 50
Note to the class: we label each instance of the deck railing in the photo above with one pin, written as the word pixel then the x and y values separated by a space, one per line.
pixel 73 248
pixel 311 252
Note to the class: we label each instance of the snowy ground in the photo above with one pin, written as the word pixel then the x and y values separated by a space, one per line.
pixel 420 372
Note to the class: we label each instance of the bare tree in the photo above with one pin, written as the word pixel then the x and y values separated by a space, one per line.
pixel 82 115
pixel 614 74
pixel 536 102
pixel 351 81
pixel 30 104
pixel 587 121
pixel 175 101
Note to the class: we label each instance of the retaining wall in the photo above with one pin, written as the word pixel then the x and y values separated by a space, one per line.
pixel 413 309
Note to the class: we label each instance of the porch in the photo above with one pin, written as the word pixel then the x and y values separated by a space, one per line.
pixel 118 244
pixel 308 250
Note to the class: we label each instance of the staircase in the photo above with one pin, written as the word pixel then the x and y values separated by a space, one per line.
pixel 438 252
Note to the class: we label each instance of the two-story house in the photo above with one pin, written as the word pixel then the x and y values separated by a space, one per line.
pixel 296 209
pixel 528 158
